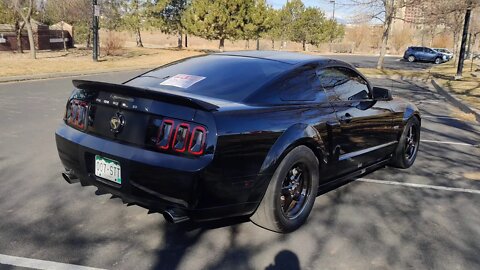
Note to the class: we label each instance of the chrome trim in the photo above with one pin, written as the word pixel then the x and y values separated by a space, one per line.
pixel 364 151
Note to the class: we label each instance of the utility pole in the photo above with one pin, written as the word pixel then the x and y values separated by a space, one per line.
pixel 333 19
pixel 96 14
pixel 333 14
pixel 461 55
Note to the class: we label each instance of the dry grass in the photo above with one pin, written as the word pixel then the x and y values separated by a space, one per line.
pixel 81 60
pixel 472 175
pixel 467 88
pixel 468 117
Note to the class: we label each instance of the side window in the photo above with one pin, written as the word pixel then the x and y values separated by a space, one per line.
pixel 301 85
pixel 343 84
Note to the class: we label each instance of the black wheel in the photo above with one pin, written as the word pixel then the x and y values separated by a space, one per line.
pixel 411 58
pixel 438 60
pixel 291 193
pixel 407 148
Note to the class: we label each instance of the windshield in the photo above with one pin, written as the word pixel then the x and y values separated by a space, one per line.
pixel 225 77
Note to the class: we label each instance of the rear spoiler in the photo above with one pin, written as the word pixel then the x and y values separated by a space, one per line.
pixel 145 93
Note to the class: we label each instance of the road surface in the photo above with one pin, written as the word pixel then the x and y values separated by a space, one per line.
pixel 426 217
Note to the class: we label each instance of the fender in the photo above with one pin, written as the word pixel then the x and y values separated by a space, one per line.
pixel 295 135
pixel 410 110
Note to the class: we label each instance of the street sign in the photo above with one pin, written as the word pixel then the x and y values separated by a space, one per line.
pixel 96 10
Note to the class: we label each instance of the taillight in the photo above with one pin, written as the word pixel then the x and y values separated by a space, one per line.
pixel 197 141
pixel 165 134
pixel 76 115
pixel 187 138
pixel 180 137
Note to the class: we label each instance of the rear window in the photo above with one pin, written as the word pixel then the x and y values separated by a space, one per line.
pixel 224 77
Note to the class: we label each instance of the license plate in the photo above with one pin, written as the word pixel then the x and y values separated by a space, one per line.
pixel 108 169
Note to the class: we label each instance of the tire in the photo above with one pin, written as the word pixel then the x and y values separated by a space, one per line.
pixel 406 151
pixel 438 60
pixel 411 58
pixel 300 166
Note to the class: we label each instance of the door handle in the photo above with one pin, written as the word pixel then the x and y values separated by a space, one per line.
pixel 346 118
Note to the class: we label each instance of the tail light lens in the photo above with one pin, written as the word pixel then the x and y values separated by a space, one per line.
pixel 165 134
pixel 197 141
pixel 182 137
pixel 76 115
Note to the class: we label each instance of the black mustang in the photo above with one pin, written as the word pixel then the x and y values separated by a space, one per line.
pixel 256 134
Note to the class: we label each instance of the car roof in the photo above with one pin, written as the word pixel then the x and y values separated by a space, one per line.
pixel 292 58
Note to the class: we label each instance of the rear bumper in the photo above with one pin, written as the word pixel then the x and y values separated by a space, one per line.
pixel 153 180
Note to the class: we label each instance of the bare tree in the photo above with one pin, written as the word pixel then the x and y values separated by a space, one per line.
pixel 384 11
pixel 400 38
pixel 57 10
pixel 25 9
pixel 356 35
pixel 8 15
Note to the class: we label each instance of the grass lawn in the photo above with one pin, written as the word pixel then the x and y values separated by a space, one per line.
pixel 14 64
pixel 390 72
pixel 467 88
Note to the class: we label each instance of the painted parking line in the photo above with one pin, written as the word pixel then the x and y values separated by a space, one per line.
pixel 413 185
pixel 40 264
pixel 449 142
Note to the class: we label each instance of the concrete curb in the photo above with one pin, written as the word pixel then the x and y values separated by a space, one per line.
pixel 65 74
pixel 455 101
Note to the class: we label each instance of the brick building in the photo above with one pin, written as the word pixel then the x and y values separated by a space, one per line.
pixel 45 37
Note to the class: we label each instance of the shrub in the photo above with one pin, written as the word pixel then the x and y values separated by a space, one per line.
pixel 112 43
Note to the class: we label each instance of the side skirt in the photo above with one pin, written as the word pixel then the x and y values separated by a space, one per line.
pixel 338 182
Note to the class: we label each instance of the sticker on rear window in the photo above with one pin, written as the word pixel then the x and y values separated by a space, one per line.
pixel 182 80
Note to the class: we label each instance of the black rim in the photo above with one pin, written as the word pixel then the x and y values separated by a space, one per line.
pixel 411 144
pixel 296 188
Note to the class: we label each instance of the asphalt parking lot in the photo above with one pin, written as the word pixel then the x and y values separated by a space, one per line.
pixel 426 217
pixel 390 62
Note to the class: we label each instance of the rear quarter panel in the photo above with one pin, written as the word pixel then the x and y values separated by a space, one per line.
pixel 252 141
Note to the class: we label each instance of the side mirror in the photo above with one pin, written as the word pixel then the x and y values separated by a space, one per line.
pixel 381 94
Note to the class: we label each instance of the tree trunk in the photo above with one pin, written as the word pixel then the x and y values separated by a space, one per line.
pixel 389 15
pixel 221 46
pixel 186 41
pixel 180 40
pixel 18 31
pixel 273 44
pixel 304 45
pixel 247 44
pixel 139 38
pixel 258 44
pixel 33 52
pixel 63 38
pixel 89 37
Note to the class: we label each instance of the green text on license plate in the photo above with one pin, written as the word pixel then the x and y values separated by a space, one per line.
pixel 108 169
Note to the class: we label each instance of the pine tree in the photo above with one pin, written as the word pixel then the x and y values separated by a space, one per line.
pixel 218 19
pixel 134 18
pixel 170 12
pixel 258 21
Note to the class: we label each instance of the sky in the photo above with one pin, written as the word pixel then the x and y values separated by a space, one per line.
pixel 342 13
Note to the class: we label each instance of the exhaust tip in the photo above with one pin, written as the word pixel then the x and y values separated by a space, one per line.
pixel 175 216
pixel 70 177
